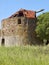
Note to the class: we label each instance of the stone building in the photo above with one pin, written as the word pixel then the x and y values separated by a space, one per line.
pixel 19 29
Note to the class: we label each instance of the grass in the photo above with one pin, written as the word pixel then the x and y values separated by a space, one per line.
pixel 24 55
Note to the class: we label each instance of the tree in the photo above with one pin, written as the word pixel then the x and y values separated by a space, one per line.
pixel 42 29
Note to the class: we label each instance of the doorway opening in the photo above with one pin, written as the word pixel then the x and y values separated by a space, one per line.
pixel 3 42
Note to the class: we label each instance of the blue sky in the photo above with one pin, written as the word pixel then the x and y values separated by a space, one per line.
pixel 8 7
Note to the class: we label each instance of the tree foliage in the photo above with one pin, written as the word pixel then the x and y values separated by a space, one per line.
pixel 42 29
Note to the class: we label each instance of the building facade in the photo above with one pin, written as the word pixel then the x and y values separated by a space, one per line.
pixel 19 29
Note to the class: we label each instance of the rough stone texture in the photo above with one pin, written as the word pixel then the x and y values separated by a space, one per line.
pixel 18 33
pixel 0 32
pixel 21 33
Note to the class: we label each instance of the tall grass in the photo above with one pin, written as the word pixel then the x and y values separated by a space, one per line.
pixel 24 55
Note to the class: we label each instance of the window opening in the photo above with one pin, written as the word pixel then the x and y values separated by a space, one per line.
pixel 20 14
pixel 19 21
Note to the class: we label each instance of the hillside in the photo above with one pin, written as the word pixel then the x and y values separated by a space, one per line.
pixel 25 55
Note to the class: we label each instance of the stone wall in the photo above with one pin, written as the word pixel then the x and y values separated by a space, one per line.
pixel 16 33
pixel 11 30
pixel 19 29
pixel 11 27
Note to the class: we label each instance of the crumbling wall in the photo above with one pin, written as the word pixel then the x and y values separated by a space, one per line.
pixel 21 33
pixel 15 33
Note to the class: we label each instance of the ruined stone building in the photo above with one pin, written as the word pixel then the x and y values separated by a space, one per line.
pixel 19 29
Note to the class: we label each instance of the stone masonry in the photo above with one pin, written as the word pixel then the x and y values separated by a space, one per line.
pixel 19 29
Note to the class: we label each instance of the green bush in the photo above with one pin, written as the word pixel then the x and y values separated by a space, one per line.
pixel 42 29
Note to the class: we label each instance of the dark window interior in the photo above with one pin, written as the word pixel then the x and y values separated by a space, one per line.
pixel 19 21
pixel 3 41
pixel 20 14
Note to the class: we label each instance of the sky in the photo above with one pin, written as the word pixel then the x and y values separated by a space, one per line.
pixel 9 7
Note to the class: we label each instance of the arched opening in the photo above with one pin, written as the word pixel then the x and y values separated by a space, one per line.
pixel 3 42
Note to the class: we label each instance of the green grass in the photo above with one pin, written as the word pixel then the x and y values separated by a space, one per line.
pixel 24 55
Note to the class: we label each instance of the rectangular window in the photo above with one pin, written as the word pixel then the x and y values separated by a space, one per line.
pixel 19 21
